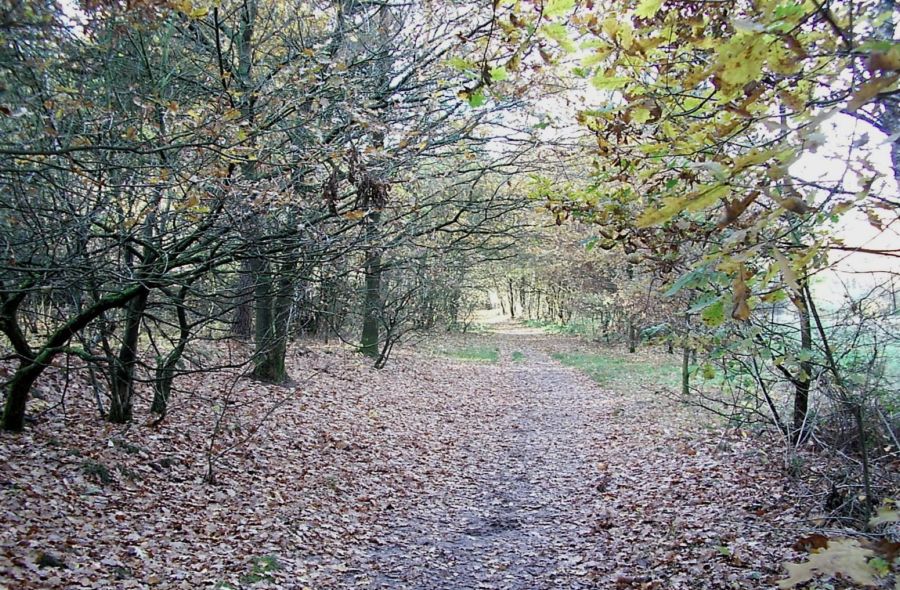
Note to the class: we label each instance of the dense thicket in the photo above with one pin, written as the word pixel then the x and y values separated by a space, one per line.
pixel 177 173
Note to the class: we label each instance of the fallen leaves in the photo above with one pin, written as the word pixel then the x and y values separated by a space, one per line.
pixel 429 472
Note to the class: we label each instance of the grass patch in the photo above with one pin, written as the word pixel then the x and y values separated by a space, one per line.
pixel 263 567
pixel 518 356
pixel 606 369
pixel 474 352
pixel 576 327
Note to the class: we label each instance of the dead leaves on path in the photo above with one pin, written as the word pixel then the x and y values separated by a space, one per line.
pixel 505 475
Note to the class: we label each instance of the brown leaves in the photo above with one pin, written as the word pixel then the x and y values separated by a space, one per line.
pixel 870 89
pixel 735 207
pixel 363 475
pixel 677 509
pixel 740 293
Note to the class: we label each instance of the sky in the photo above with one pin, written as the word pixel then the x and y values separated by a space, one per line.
pixel 827 164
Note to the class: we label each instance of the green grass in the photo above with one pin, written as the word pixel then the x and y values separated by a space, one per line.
pixel 606 370
pixel 574 328
pixel 474 352
pixel 262 569
pixel 518 356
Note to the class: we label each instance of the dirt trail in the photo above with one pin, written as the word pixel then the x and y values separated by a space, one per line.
pixel 514 510
pixel 430 474
pixel 551 482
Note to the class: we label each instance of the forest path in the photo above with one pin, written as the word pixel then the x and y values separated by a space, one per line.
pixel 433 473
pixel 513 507
pixel 546 480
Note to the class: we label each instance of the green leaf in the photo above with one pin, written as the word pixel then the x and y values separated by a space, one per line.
pixel 459 63
pixel 558 33
pixel 498 74
pixel 640 115
pixel 603 82
pixel 688 279
pixel 647 8
pixel 880 565
pixel 581 72
pixel 788 10
pixel 477 99
pixel 703 303
pixel 555 8
pixel 714 315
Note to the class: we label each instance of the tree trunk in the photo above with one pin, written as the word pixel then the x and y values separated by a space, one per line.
pixel 685 371
pixel 802 381
pixel 242 322
pixel 122 378
pixel 372 297
pixel 632 335
pixel 31 366
pixel 165 368
pixel 274 298
pixel 17 390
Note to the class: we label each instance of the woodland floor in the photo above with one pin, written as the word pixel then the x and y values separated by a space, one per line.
pixel 432 473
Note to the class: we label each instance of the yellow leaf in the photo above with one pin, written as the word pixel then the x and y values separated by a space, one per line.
pixel 845 557
pixel 184 6
pixel 601 52
pixel 707 196
pixel 647 8
pixel 787 272
pixel 603 82
pixel 192 201
pixel 885 515
pixel 640 115
pixel 670 209
pixel 626 35
pixel 753 158
pixel 354 215
pixel 741 59
pixel 611 27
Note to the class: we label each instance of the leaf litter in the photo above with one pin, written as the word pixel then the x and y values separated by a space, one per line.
pixel 430 473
